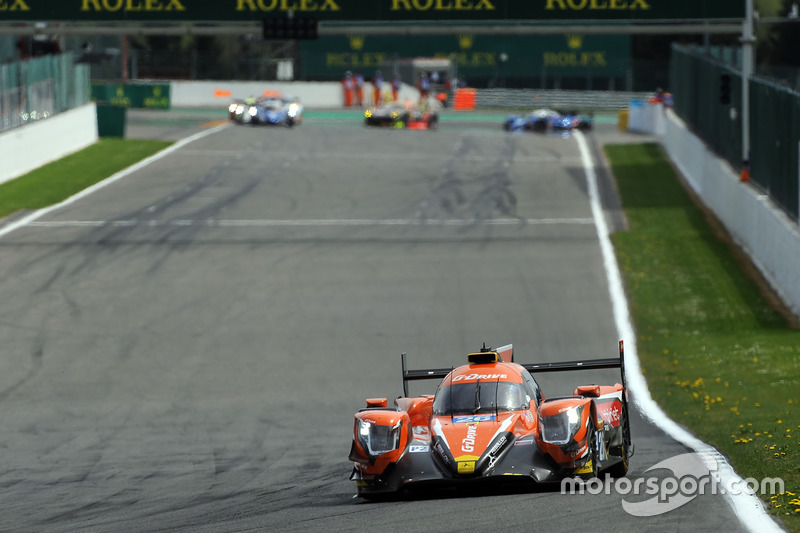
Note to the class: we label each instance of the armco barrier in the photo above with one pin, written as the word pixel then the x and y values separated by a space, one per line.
pixel 49 139
pixel 766 233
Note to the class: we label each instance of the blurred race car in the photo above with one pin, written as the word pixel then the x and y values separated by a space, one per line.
pixel 402 116
pixel 278 110
pixel 489 421
pixel 544 120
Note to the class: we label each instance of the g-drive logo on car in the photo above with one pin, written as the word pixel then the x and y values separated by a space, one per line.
pixel 473 377
pixel 468 442
pixel 690 476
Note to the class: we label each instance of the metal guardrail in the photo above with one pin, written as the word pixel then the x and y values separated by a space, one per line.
pixel 558 99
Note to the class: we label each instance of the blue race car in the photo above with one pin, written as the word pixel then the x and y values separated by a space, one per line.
pixel 546 120
pixel 275 110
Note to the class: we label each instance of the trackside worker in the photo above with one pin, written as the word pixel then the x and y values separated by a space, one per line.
pixel 396 84
pixel 424 86
pixel 377 86
pixel 359 89
pixel 348 87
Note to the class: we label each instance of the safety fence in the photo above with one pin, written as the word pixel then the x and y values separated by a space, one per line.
pixel 558 99
pixel 775 143
pixel 38 88
pixel 708 96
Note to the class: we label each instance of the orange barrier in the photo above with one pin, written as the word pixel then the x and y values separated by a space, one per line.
pixel 464 99
pixel 220 93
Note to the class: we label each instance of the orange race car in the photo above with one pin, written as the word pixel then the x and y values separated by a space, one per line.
pixel 490 421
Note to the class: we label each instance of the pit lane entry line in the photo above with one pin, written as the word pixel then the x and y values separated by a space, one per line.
pixel 747 507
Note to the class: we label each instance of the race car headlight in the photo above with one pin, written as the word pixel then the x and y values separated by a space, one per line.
pixel 293 108
pixel 377 439
pixel 561 428
pixel 232 108
pixel 252 111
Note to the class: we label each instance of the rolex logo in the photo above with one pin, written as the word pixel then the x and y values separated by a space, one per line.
pixel 574 41
pixel 465 41
pixel 356 42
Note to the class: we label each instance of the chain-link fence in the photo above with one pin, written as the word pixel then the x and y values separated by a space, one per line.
pixel 708 97
pixel 775 148
pixel 558 99
pixel 38 88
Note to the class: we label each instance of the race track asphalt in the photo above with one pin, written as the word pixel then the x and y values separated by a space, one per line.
pixel 184 349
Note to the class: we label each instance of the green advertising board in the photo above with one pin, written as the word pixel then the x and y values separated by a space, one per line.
pixel 474 55
pixel 147 95
pixel 369 10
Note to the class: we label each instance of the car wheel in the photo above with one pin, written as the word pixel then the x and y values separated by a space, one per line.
pixel 620 469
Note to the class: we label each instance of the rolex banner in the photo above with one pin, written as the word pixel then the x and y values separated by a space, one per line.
pixel 374 10
pixel 474 55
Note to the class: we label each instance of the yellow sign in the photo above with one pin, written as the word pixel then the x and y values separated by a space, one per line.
pixel 466 467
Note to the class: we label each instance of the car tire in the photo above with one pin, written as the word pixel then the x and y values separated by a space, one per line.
pixel 620 469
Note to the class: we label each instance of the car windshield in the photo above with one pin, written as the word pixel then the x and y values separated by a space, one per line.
pixel 480 396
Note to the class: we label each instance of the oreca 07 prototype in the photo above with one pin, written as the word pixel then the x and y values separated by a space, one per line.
pixel 489 421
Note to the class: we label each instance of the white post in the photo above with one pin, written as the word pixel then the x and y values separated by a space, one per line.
pixel 748 39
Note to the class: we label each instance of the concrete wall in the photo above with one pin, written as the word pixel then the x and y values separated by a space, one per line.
pixel 28 147
pixel 768 236
pixel 313 95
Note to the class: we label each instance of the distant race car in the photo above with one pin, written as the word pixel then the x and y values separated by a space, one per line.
pixel 279 110
pixel 545 120
pixel 402 116
pixel 489 421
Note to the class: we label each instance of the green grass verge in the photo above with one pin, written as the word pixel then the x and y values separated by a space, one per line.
pixel 61 179
pixel 717 357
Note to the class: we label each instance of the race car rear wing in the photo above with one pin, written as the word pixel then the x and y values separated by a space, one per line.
pixel 561 366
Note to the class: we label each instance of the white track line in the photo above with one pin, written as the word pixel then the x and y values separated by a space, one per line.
pixel 748 508
pixel 28 219
pixel 303 223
